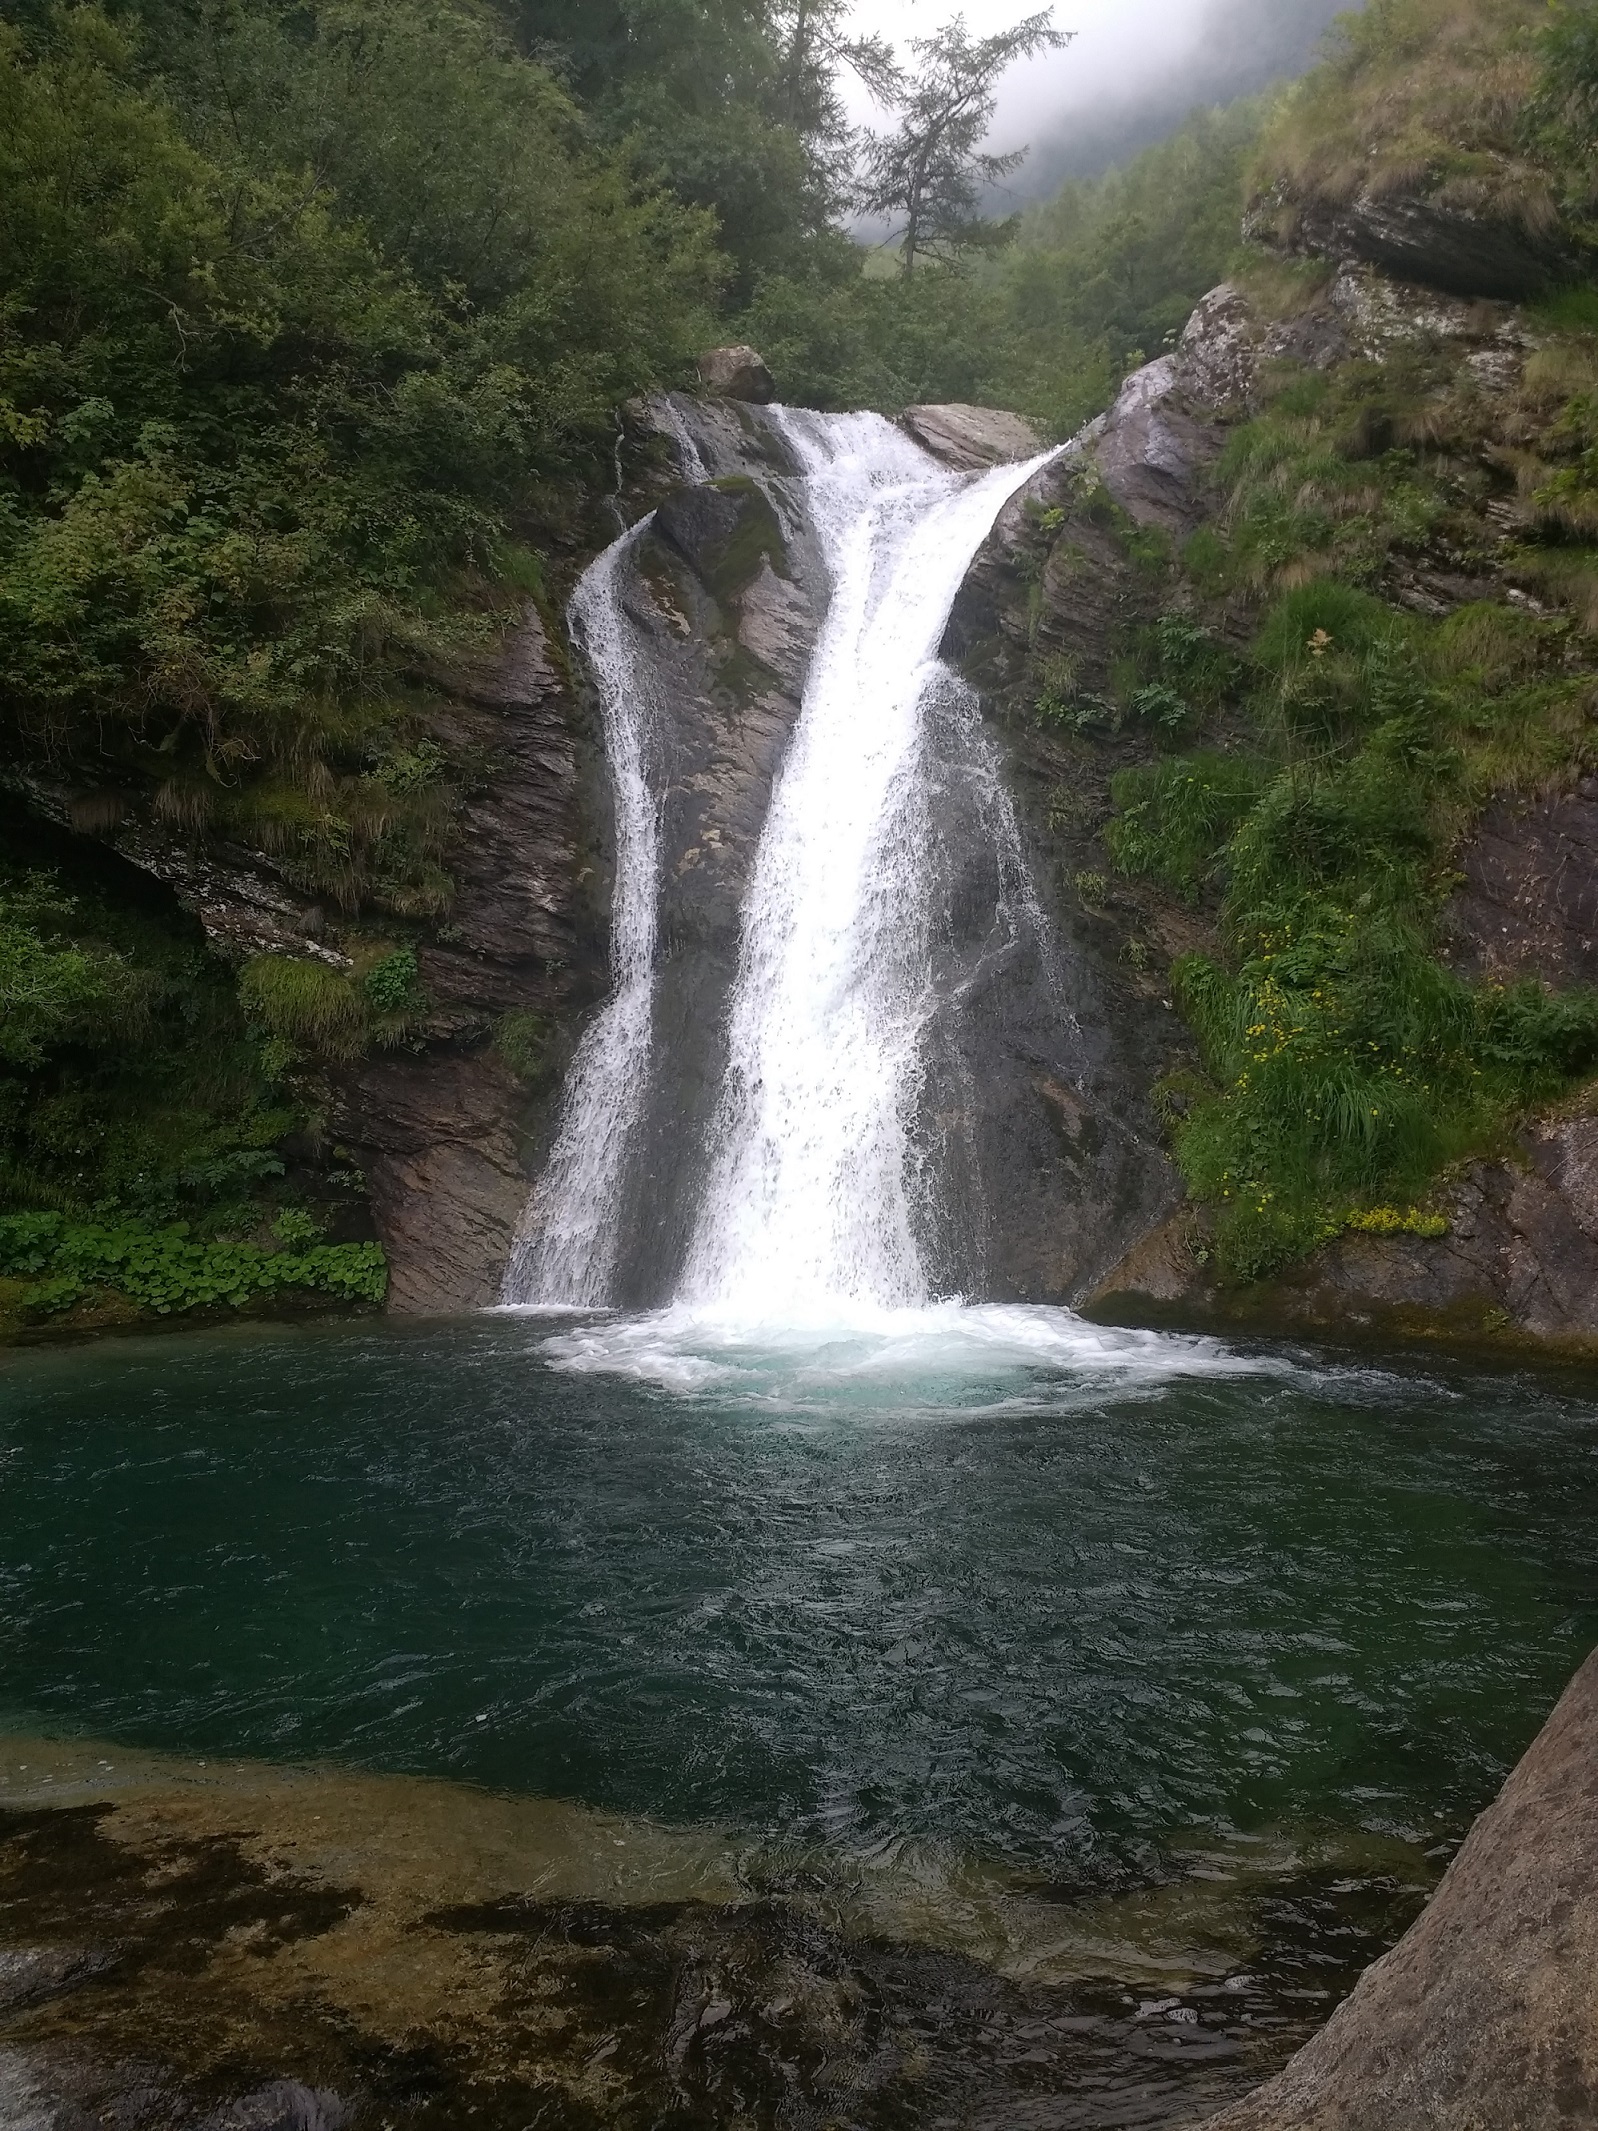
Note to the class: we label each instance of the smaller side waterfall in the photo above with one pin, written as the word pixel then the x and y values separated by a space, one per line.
pixel 566 1247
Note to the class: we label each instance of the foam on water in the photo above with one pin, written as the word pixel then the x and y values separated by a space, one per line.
pixel 938 1353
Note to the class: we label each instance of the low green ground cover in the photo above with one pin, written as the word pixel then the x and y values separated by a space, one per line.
pixel 1345 1065
pixel 167 1269
pixel 155 1140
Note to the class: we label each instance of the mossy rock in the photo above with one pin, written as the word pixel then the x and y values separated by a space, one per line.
pixel 724 530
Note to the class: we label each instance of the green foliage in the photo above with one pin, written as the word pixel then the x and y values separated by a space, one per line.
pixel 166 1270
pixel 287 336
pixel 1320 483
pixel 1428 96
pixel 1174 672
pixel 522 1040
pixel 1346 1064
pixel 296 1228
pixel 393 983
pixel 731 104
pixel 931 169
pixel 1092 284
pixel 53 991
pixel 306 1003
pixel 1174 818
pixel 1561 119
pixel 127 1073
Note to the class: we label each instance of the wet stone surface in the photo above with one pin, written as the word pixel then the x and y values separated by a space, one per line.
pixel 152 1976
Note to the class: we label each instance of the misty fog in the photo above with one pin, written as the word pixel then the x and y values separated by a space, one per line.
pixel 1133 71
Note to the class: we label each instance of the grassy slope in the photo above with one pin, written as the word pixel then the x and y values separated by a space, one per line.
pixel 1346 1067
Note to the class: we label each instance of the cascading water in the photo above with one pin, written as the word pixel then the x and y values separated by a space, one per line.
pixel 807 1215
pixel 809 1238
pixel 566 1247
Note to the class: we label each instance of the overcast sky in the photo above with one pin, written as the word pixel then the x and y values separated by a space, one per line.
pixel 1133 69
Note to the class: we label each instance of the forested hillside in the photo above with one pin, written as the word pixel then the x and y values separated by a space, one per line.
pixel 313 324
pixel 315 321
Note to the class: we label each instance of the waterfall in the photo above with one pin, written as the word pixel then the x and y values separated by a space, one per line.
pixel 566 1246
pixel 808 1211
pixel 809 1204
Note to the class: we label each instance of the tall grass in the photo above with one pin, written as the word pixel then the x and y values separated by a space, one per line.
pixel 1345 1065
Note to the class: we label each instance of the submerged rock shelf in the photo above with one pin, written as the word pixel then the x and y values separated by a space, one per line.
pixel 229 1945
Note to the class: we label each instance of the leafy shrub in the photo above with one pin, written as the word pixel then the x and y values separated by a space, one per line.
pixel 165 1270
pixel 297 1229
pixel 55 992
pixel 1174 818
pixel 393 984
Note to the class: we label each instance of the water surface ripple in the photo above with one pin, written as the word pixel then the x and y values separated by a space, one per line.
pixel 1044 1617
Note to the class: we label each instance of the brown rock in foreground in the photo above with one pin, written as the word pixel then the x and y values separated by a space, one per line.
pixel 1484 2017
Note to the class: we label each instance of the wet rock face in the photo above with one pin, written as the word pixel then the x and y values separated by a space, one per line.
pixel 1528 903
pixel 437 1127
pixel 1423 239
pixel 727 595
pixel 1060 1056
pixel 1521 1250
pixel 1058 587
pixel 1520 1258
pixel 438 1131
pixel 1040 1158
pixel 1484 2014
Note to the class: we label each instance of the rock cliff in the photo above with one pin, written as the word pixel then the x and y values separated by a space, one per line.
pixel 435 1124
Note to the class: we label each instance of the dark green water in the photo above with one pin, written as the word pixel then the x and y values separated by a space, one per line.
pixel 1047 1619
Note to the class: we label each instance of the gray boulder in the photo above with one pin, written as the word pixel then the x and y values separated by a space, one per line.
pixel 737 374
pixel 1483 2017
pixel 972 438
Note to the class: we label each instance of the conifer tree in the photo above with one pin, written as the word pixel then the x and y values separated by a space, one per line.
pixel 931 169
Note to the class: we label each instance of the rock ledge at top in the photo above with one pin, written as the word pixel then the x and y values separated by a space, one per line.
pixel 1425 238
pixel 972 438
pixel 737 374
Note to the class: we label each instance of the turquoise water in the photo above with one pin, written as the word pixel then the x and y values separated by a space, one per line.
pixel 1051 1614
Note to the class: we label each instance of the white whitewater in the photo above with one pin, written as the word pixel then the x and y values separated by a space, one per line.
pixel 566 1249
pixel 808 1215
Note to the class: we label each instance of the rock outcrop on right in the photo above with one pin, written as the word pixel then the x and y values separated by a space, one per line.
pixel 1432 144
pixel 1483 2017
pixel 1165 524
